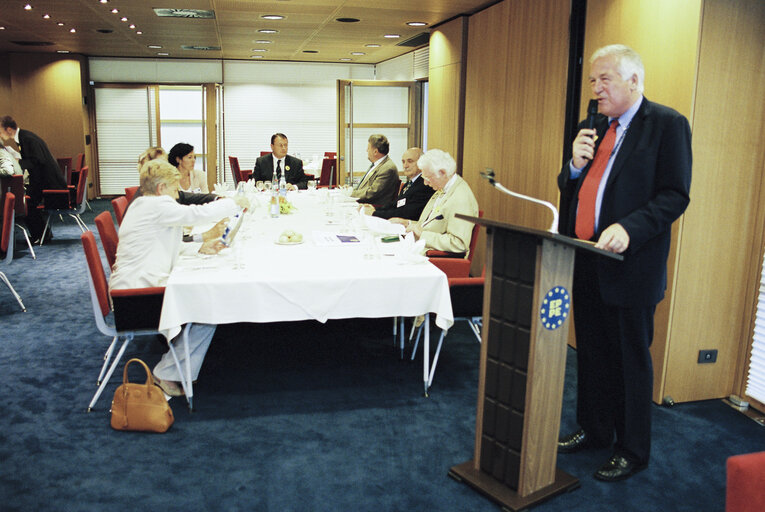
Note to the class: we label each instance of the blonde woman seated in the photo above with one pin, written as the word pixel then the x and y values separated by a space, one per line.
pixel 150 154
pixel 150 242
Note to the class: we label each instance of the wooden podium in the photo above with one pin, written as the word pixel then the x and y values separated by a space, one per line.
pixel 526 307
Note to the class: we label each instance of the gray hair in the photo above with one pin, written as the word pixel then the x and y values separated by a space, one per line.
pixel 628 62
pixel 380 143
pixel 438 160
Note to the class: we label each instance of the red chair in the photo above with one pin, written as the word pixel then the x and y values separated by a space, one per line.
pixel 108 234
pixel 330 154
pixel 264 153
pixel 130 193
pixel 6 241
pixel 15 184
pixel 119 205
pixel 328 176
pixel 59 202
pixel 136 312
pixel 235 170
pixel 745 489
pixel 466 261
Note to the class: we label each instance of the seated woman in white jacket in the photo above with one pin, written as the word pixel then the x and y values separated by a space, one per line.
pixel 149 244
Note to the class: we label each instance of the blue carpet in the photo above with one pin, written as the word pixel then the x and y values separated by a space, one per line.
pixel 290 417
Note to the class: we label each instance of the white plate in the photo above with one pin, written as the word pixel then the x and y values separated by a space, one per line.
pixel 289 243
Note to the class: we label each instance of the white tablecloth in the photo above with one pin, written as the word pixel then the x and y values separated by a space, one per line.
pixel 258 280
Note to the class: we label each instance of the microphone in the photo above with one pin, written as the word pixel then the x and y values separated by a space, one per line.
pixel 440 217
pixel 592 111
pixel 488 174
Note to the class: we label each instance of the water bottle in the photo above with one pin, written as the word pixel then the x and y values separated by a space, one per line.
pixel 283 186
pixel 229 227
pixel 274 196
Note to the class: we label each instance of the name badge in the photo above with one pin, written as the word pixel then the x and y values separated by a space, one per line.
pixel 400 203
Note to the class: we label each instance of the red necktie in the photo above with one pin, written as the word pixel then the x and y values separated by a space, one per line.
pixel 588 193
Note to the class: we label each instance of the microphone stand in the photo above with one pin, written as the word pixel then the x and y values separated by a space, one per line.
pixel 489 175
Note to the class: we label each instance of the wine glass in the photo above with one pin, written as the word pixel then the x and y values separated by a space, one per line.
pixel 311 184
pixel 267 185
pixel 260 186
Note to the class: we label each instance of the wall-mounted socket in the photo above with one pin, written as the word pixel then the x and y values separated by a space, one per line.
pixel 707 356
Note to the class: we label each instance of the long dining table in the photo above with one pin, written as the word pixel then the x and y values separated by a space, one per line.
pixel 340 269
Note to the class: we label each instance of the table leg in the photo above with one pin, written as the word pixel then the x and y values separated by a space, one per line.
pixel 426 354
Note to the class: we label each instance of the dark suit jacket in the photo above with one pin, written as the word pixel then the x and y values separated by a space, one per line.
pixel 648 189
pixel 264 170
pixel 44 171
pixel 415 199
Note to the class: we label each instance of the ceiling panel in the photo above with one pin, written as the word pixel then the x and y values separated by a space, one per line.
pixel 308 25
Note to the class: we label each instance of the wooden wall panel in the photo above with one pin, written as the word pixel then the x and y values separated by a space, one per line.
pixel 447 88
pixel 515 107
pixel 5 86
pixel 722 237
pixel 47 98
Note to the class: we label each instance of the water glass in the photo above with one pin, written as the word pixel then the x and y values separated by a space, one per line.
pixel 311 184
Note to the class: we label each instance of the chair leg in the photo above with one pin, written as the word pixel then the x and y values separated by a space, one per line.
pixel 13 291
pixel 435 358
pixel 80 223
pixel 104 382
pixel 474 326
pixel 401 338
pixel 29 242
pixel 107 358
pixel 45 230
pixel 416 340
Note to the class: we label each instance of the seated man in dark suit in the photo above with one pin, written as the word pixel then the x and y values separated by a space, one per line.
pixel 282 162
pixel 44 172
pixel 412 198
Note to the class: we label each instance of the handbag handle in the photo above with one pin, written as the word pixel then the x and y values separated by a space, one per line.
pixel 149 380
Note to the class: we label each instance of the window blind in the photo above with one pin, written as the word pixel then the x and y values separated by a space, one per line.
pixel 755 385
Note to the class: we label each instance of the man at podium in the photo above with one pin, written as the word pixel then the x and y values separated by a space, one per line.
pixel 628 180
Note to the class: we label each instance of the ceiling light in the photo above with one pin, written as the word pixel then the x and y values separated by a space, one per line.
pixel 46 16
pixel 60 23
pixel 115 10
pixel 358 53
pixel 27 7
pixel 416 23
pixel 262 41
pixel 185 13
pixel 139 33
pixel 156 46
pixel 2 28
pixel 62 51
pixel 272 17
pixel 347 20
pixel 123 19
pixel 345 59
pixel 104 1
pixel 391 36
pixel 256 56
pixel 72 30
pixel 132 26
pixel 259 50
pixel 163 53
pixel 268 31
pixel 372 45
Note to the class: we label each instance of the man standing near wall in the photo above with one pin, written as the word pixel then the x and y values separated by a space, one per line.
pixel 44 172
pixel 628 180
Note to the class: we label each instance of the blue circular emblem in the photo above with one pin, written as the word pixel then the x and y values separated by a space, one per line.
pixel 555 309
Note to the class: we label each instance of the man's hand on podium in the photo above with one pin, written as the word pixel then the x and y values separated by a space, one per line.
pixel 614 239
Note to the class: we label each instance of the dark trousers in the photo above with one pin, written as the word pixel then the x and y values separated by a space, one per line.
pixel 35 219
pixel 615 372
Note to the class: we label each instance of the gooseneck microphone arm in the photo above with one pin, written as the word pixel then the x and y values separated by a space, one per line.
pixel 489 175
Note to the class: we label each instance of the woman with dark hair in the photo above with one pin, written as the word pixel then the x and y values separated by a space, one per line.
pixel 192 180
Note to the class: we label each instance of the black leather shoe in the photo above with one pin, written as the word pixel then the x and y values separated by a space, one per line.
pixel 574 442
pixel 618 468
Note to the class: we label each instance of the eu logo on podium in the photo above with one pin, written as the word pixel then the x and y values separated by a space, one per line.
pixel 556 305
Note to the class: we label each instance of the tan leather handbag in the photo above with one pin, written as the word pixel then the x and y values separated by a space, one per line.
pixel 140 407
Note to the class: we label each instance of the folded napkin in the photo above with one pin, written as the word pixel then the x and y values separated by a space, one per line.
pixel 382 226
pixel 410 251
pixel 221 189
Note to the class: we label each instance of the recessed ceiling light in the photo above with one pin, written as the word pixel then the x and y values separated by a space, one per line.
pixel 347 20
pixel 139 33
pixel 162 53
pixel 268 31
pixel 259 50
pixel 2 28
pixel 60 23
pixel 391 36
pixel 27 7
pixel 372 45
pixel 345 59
pixel 358 53
pixel 123 19
pixel 46 16
pixel 115 10
pixel 155 46
pixel 256 56
pixel 416 23
pixel 132 26
pixel 62 51
pixel 104 1
pixel 262 41
pixel 272 17
pixel 72 30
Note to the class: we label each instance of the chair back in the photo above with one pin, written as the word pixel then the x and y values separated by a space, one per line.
pixel 79 162
pixel 16 185
pixel 99 290
pixel 66 168
pixel 82 185
pixel 74 173
pixel 108 234
pixel 474 238
pixel 235 170
pixel 130 193
pixel 328 176
pixel 119 205
pixel 330 154
pixel 264 153
pixel 6 237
